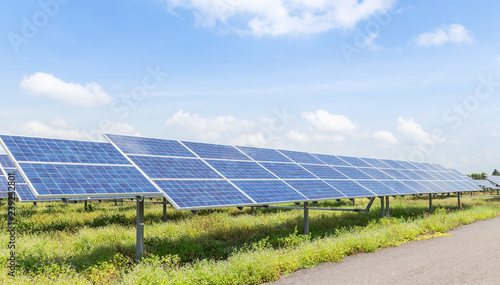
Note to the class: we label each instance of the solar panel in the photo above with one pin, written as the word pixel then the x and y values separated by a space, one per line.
pixel 352 172
pixel 407 164
pixel 393 164
pixel 263 154
pixel 375 173
pixel 331 160
pixel 315 189
pixel 445 186
pixel 350 188
pixel 269 191
pixel 425 174
pixel 377 187
pixel 375 163
pixel 173 167
pixel 288 170
pixel 6 162
pixel 324 171
pixel 301 157
pixel 418 187
pixel 431 166
pixel 24 194
pixel 399 187
pixel 150 146
pixel 420 166
pixel 240 169
pixel 354 161
pixel 205 150
pixel 395 174
pixel 411 174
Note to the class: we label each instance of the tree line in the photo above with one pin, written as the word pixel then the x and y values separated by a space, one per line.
pixel 482 176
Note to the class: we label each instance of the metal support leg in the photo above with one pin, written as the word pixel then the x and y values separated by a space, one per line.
pixel 164 209
pixel 121 200
pixel 386 213
pixel 251 210
pixel 382 206
pixel 458 195
pixel 85 205
pixel 139 246
pixel 430 203
pixel 353 201
pixel 116 201
pixel 306 218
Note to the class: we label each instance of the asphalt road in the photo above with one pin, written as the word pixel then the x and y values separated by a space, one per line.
pixel 471 255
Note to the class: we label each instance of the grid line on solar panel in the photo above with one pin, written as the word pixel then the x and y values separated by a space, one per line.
pixel 240 169
pixel 377 187
pixel 192 194
pixel 376 173
pixel 431 166
pixel 204 150
pixel 30 149
pixel 417 186
pixel 352 172
pixel 407 164
pixel 24 194
pixel 437 174
pixel 300 157
pixel 315 189
pixel 264 154
pixel 354 161
pixel 440 167
pixel 331 159
pixel 433 186
pixel 150 146
pixel 350 188
pixel 425 174
pixel 324 171
pixel 269 191
pixel 445 186
pixel 173 167
pixel 395 174
pixel 86 180
pixel 375 162
pixel 420 166
pixel 17 174
pixel 411 174
pixel 399 187
pixel 5 161
pixel 393 164
pixel 287 170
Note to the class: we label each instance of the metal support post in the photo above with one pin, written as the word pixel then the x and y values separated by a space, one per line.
pixel 382 206
pixel 430 203
pixel 121 200
pixel 458 195
pixel 139 246
pixel 353 201
pixel 164 209
pixel 85 205
pixel 251 210
pixel 387 214
pixel 306 218
pixel 116 201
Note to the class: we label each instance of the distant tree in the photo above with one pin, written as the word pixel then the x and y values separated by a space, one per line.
pixel 483 175
pixel 477 176
pixel 496 172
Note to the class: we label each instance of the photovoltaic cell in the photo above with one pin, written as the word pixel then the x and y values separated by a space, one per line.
pixel 440 167
pixel 354 161
pixel 420 166
pixel 331 160
pixel 352 172
pixel 269 191
pixel 241 169
pixel 447 175
pixel 24 194
pixel 407 164
pixel 375 173
pixel 19 177
pixel 411 174
pixel 205 150
pixel 375 163
pixel 6 162
pixel 443 185
pixel 425 174
pixel 431 166
pixel 64 180
pixel 377 187
pixel 188 194
pixel 30 149
pixel 149 146
pixel 264 154
pixel 393 164
pixel 288 170
pixel 431 186
pixel 315 189
pixel 324 171
pixel 395 174
pixel 350 188
pixel 400 187
pixel 301 157
pixel 421 189
pixel 437 174
pixel 172 167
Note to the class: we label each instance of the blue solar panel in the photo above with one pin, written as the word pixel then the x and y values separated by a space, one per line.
pixel 393 164
pixel 425 174
pixel 301 157
pixel 447 175
pixel 17 175
pixel 431 186
pixel 377 187
pixel 420 166
pixel 24 194
pixel 315 189
pixel 375 173
pixel 375 162
pixel 395 174
pixel 445 186
pixel 31 149
pixel 264 154
pixel 324 171
pixel 172 167
pixel 352 172
pixel 354 161
pixel 216 151
pixel 350 188
pixel 150 146
pixel 437 174
pixel 63 180
pixel 407 164
pixel 431 166
pixel 417 186
pixel 269 191
pixel 411 174
pixel 5 161
pixel 188 194
pixel 288 170
pixel 331 159
pixel 440 167
pixel 400 187
pixel 240 169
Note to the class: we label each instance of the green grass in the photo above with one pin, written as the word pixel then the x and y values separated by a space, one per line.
pixel 64 244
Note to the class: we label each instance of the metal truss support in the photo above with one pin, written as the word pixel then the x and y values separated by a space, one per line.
pixel 382 206
pixel 387 214
pixel 324 209
pixel 306 218
pixel 139 244
pixel 164 209
pixel 458 196
pixel 430 203
pixel 85 205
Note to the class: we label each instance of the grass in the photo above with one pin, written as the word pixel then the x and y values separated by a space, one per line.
pixel 61 244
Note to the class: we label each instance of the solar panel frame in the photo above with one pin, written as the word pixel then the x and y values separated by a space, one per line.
pixel 332 160
pixel 264 154
pixel 354 161
pixel 300 157
pixel 214 151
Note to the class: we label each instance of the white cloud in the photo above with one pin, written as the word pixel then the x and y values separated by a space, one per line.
pixel 325 121
pixel 297 137
pixel 454 33
pixel 385 137
pixel 369 41
pixel 281 17
pixel 412 130
pixel 37 128
pixel 40 83
pixel 116 127
pixel 208 127
pixel 256 139
pixel 329 138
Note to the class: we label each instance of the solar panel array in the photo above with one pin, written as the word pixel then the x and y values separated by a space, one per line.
pixel 494 179
pixel 486 184
pixel 58 168
pixel 199 175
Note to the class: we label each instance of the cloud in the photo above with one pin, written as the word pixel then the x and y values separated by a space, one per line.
pixel 385 137
pixel 256 139
pixel 369 41
pixel 454 33
pixel 329 138
pixel 297 137
pixel 498 59
pixel 208 127
pixel 37 128
pixel 40 83
pixel 324 121
pixel 281 17
pixel 412 130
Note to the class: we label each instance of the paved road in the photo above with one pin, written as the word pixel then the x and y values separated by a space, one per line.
pixel 470 256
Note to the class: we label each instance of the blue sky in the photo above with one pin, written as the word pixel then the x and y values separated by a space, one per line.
pixel 414 80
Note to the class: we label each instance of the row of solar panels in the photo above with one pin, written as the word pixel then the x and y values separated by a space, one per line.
pixel 198 175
